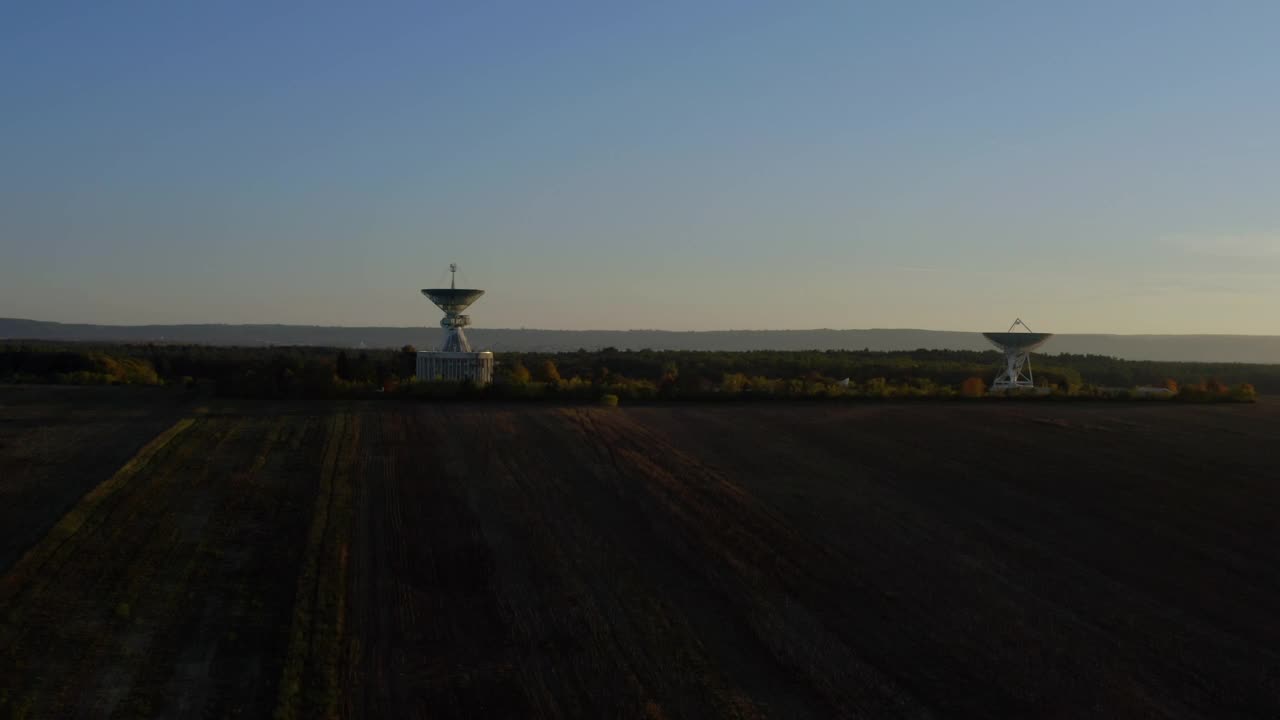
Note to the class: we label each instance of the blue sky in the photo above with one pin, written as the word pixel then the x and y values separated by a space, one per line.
pixel 1091 167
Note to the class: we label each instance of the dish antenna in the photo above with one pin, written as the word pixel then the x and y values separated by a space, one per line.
pixel 453 300
pixel 1017 347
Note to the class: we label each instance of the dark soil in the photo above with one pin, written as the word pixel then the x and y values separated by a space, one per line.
pixel 890 560
pixel 57 443
pixel 992 560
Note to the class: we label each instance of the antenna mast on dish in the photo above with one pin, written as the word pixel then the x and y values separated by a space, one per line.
pixel 1017 347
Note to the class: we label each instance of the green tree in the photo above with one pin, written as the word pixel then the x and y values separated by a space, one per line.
pixel 343 367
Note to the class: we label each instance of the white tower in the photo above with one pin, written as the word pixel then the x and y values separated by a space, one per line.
pixel 1017 347
pixel 455 360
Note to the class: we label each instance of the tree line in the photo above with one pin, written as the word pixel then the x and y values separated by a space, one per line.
pixel 632 375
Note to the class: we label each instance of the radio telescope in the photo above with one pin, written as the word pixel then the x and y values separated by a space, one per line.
pixel 453 301
pixel 455 360
pixel 1017 347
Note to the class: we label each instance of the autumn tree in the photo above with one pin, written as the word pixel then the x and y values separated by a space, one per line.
pixel 733 383
pixel 670 376
pixel 973 387
pixel 549 373
pixel 520 374
pixel 1244 392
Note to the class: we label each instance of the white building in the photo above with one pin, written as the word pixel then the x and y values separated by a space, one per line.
pixel 456 366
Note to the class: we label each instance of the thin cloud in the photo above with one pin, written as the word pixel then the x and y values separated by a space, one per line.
pixel 1256 246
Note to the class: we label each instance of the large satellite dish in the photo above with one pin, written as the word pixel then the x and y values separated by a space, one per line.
pixel 453 300
pixel 1017 347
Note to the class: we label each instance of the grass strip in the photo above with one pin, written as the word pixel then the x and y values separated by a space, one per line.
pixel 309 685
pixel 83 517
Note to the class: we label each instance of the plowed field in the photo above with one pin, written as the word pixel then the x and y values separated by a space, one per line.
pixel 399 560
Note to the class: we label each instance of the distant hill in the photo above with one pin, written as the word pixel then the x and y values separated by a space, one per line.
pixel 1187 348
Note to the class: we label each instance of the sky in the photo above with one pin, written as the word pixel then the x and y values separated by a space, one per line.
pixel 1108 167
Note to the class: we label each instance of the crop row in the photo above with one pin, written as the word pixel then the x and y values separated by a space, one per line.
pixel 309 685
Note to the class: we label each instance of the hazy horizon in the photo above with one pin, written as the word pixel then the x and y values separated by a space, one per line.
pixel 435 326
pixel 1087 167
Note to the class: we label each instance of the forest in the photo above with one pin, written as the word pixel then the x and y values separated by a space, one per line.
pixel 626 374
